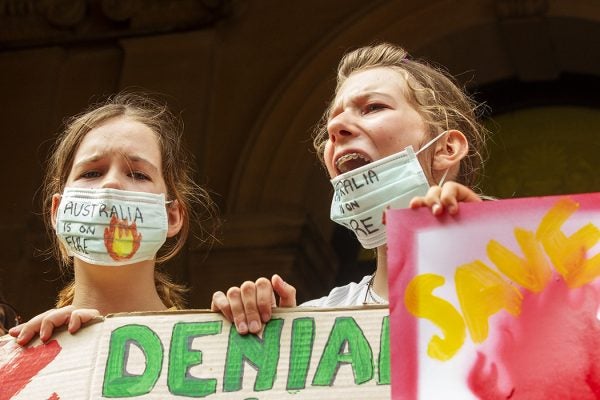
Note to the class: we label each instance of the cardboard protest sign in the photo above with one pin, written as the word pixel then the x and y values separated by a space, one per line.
pixel 497 302
pixel 302 354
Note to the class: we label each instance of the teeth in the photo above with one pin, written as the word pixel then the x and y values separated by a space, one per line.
pixel 351 161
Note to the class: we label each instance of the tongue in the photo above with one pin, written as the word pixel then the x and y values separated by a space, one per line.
pixel 351 164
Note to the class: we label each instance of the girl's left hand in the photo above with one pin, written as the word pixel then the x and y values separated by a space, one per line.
pixel 445 197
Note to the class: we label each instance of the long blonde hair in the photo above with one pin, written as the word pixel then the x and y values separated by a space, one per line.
pixel 433 93
pixel 195 202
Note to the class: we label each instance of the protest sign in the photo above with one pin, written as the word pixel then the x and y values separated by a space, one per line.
pixel 497 302
pixel 301 354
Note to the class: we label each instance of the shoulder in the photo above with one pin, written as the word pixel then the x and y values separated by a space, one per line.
pixel 352 294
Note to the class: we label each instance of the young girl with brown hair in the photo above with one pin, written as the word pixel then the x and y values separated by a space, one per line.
pixel 119 199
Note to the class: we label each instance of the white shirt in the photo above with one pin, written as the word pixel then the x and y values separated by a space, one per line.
pixel 352 294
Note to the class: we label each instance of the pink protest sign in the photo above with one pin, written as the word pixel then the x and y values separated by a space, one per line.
pixel 498 302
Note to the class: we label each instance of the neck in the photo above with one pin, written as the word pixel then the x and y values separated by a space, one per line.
pixel 380 283
pixel 116 289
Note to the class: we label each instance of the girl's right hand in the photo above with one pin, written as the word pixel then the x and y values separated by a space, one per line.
pixel 44 323
pixel 250 305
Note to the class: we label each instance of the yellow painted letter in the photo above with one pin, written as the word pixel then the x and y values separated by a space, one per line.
pixel 533 271
pixel 482 293
pixel 421 303
pixel 569 254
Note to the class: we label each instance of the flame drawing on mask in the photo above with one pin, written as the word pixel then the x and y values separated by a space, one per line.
pixel 121 239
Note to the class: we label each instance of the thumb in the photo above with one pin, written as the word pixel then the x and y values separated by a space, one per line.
pixel 285 291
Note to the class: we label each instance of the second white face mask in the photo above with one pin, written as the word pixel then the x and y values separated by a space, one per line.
pixel 362 195
pixel 111 226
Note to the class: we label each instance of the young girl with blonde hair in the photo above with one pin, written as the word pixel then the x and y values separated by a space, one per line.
pixel 400 133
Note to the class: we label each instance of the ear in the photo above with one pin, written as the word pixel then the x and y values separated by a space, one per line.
pixel 55 203
pixel 175 218
pixel 451 148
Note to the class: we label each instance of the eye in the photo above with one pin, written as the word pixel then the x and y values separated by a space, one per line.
pixel 372 107
pixel 139 176
pixel 90 174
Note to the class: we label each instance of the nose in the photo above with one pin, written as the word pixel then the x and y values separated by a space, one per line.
pixel 112 180
pixel 339 128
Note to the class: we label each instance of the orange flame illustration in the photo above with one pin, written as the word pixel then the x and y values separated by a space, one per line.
pixel 121 239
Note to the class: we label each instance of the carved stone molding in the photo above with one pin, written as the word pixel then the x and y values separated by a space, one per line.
pixel 65 13
pixel 26 23
pixel 119 10
pixel 513 9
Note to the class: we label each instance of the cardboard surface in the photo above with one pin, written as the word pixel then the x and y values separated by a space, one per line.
pixel 303 354
pixel 497 302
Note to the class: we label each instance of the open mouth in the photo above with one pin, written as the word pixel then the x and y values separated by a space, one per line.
pixel 351 161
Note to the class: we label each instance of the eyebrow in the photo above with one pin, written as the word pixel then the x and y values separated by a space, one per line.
pixel 131 159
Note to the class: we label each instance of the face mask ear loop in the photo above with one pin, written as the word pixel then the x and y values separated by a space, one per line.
pixel 56 212
pixel 443 177
pixel 432 141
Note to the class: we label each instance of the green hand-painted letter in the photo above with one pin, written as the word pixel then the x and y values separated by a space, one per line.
pixel 384 353
pixel 345 331
pixel 117 381
pixel 182 358
pixel 303 336
pixel 263 354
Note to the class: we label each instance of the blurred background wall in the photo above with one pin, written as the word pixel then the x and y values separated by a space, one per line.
pixel 250 78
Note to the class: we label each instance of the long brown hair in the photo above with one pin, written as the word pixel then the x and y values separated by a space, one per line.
pixel 195 202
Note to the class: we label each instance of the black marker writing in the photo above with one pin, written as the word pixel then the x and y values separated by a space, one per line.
pixel 346 186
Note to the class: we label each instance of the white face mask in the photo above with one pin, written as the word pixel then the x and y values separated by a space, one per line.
pixel 362 195
pixel 110 226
